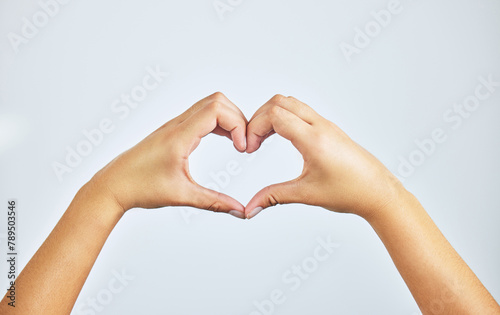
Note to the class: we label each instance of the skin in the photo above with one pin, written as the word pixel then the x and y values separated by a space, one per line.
pixel 341 176
pixel 338 175
pixel 152 174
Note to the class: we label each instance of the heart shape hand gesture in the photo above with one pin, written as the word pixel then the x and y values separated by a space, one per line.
pixel 338 174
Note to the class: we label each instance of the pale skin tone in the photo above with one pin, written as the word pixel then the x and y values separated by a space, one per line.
pixel 338 175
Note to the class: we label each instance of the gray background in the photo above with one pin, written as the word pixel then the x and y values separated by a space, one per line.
pixel 395 91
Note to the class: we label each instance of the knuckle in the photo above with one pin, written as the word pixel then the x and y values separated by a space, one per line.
pixel 216 205
pixel 218 96
pixel 272 200
pixel 278 99
pixel 272 197
pixel 214 106
pixel 275 111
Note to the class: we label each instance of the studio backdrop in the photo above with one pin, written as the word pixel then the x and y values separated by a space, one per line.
pixel 417 83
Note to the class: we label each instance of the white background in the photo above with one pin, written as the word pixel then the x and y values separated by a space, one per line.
pixel 395 91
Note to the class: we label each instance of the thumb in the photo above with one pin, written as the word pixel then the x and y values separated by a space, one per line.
pixel 204 198
pixel 283 193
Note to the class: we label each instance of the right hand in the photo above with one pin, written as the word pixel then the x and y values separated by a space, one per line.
pixel 155 172
pixel 338 174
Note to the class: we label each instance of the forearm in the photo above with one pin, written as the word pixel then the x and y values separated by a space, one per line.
pixel 152 174
pixel 439 280
pixel 53 278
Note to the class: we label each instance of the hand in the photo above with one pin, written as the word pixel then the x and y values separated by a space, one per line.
pixel 155 172
pixel 338 174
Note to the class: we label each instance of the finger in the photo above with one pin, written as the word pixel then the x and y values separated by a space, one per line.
pixel 221 132
pixel 272 132
pixel 207 199
pixel 293 105
pixel 284 193
pixel 216 97
pixel 281 121
pixel 206 120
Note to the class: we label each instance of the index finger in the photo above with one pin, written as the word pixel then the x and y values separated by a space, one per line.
pixel 283 122
pixel 216 97
pixel 293 105
pixel 208 118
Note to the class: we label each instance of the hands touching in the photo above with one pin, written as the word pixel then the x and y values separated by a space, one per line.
pixel 338 174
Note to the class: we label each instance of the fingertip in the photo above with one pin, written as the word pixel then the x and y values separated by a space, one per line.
pixel 252 213
pixel 244 144
pixel 241 146
pixel 237 214
pixel 253 204
pixel 232 204
pixel 239 139
pixel 251 149
pixel 253 143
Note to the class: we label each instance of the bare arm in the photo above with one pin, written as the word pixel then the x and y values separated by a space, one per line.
pixel 438 278
pixel 341 176
pixel 53 278
pixel 152 174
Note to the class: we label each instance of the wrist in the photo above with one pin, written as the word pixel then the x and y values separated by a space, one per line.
pixel 396 196
pixel 400 201
pixel 97 189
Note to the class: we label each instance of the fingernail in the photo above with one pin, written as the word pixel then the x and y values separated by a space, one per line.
pixel 236 213
pixel 254 212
